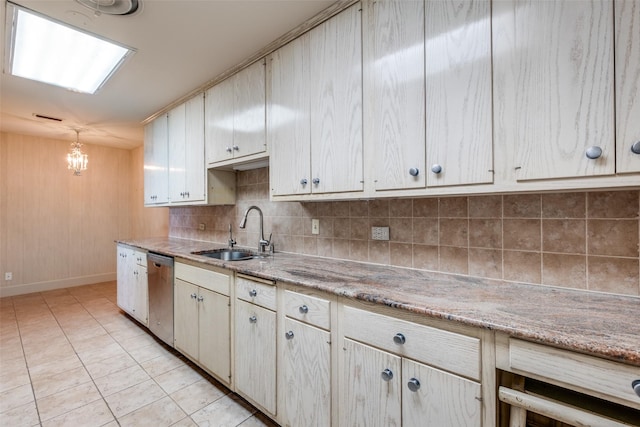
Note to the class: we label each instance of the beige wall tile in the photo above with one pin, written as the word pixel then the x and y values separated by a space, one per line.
pixel 613 204
pixel 379 208
pixel 425 231
pixel 522 266
pixel 564 235
pixel 341 228
pixel 568 271
pixel 453 207
pixel 359 250
pixel 358 208
pixel 521 234
pixel 454 232
pixel 522 206
pixel 379 252
pixel 454 260
pixel 485 263
pixel 485 207
pixel 425 208
pixel 401 208
pixel 401 254
pixel 612 237
pixel 425 257
pixel 359 228
pixel 616 275
pixel 401 229
pixel 564 205
pixel 485 233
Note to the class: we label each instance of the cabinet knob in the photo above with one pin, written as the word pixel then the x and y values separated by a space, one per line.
pixel 187 194
pixel 303 309
pixel 303 181
pixel 635 147
pixel 399 339
pixel 253 319
pixel 316 181
pixel 228 149
pixel 200 298
pixel 253 293
pixel 289 335
pixel 194 296
pixel 436 168
pixel 387 374
pixel 413 384
pixel 236 148
pixel 414 171
pixel 593 152
pixel 636 386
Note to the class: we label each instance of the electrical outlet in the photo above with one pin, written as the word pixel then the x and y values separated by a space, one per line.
pixel 379 233
pixel 202 226
pixel 315 226
pixel 8 276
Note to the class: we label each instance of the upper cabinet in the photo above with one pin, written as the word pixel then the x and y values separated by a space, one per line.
pixel 235 117
pixel 433 56
pixel 156 162
pixel 554 87
pixel 627 48
pixel 186 149
pixel 315 110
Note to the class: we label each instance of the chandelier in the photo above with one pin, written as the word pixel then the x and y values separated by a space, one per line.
pixel 76 159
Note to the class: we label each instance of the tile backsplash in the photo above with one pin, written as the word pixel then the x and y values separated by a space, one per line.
pixel 578 240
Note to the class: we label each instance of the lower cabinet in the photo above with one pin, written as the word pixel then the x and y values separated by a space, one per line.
pixel 255 342
pixel 202 318
pixel 132 285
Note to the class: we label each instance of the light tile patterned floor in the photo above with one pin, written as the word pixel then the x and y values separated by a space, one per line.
pixel 70 357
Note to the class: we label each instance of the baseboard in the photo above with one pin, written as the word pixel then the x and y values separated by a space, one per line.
pixel 28 288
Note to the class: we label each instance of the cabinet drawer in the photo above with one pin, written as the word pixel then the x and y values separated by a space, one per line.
pixel 140 257
pixel 258 293
pixel 208 279
pixel 308 309
pixel 446 350
pixel 603 378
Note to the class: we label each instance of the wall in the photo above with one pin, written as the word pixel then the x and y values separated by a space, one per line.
pixel 57 229
pixel 577 240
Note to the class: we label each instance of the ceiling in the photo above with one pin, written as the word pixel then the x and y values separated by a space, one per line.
pixel 180 46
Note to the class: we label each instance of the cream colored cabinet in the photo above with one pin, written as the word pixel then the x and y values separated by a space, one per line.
pixel 132 284
pixel 305 372
pixel 187 173
pixel 554 87
pixel 255 342
pixel 436 54
pixel 627 66
pixel 156 162
pixel 202 318
pixel 315 110
pixel 395 372
pixel 235 116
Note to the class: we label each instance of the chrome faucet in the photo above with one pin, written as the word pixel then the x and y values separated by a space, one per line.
pixel 262 243
pixel 231 239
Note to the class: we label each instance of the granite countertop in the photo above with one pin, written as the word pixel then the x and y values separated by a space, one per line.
pixel 598 324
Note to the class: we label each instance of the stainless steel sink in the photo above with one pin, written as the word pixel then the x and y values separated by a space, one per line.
pixel 227 254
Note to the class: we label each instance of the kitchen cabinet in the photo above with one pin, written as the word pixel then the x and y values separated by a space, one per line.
pixel 436 54
pixel 305 373
pixel 255 341
pixel 554 87
pixel 396 372
pixel 202 318
pixel 235 116
pixel 132 285
pixel 156 162
pixel 315 110
pixel 187 171
pixel 627 66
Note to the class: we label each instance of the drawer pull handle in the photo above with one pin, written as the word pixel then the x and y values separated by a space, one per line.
pixel 253 319
pixel 303 309
pixel 413 384
pixel 399 339
pixel 636 386
pixel 200 298
pixel 194 296
pixel 289 335
pixel 387 374
pixel 253 293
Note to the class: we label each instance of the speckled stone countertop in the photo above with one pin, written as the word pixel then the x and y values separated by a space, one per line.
pixel 598 324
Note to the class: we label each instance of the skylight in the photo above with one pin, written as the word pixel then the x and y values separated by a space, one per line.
pixel 47 51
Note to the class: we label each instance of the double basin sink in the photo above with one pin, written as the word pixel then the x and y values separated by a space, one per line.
pixel 226 254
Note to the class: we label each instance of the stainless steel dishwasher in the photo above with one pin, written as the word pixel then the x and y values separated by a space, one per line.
pixel 160 274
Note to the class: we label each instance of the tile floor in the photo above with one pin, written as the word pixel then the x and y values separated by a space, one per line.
pixel 70 357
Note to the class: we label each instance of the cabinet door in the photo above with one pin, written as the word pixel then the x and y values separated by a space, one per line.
pixel 195 171
pixel 370 386
pixel 437 398
pixel 627 85
pixel 185 323
pixel 398 94
pixel 553 63
pixel 125 264
pixel 306 380
pixel 156 162
pixel 140 294
pixel 219 121
pixel 249 111
pixel 177 173
pixel 288 127
pixel 255 354
pixel 336 108
pixel 215 339
pixel 459 132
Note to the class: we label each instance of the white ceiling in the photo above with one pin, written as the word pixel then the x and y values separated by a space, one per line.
pixel 180 45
